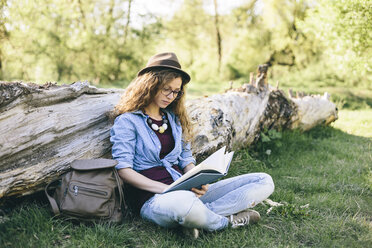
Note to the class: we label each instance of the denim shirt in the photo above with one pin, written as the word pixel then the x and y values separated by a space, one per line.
pixel 135 145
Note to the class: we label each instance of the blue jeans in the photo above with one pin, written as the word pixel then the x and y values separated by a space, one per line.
pixel 223 198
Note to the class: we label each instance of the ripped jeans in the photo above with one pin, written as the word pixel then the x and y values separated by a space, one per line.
pixel 223 198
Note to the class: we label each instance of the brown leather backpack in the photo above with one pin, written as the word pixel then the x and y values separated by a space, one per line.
pixel 90 191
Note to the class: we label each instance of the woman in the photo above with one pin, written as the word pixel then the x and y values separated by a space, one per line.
pixel 151 141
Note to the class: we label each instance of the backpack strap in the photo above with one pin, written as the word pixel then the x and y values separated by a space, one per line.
pixel 120 188
pixel 52 201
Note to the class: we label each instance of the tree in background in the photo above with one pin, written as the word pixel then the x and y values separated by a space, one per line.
pixel 191 34
pixel 344 29
pixel 74 40
pixel 3 33
pixel 265 31
pixel 218 34
pixel 98 41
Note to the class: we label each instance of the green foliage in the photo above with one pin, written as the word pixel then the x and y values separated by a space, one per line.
pixel 191 34
pixel 269 141
pixel 343 28
pixel 313 42
pixel 271 135
pixel 268 35
pixel 3 33
pixel 317 78
pixel 73 40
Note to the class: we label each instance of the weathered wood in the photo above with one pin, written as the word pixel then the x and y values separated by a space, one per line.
pixel 44 128
pixel 237 117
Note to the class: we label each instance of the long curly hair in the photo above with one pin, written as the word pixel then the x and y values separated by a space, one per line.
pixel 142 90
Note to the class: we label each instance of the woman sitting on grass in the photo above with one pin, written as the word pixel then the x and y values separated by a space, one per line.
pixel 151 141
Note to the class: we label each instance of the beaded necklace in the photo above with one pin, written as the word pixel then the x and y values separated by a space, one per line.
pixel 155 127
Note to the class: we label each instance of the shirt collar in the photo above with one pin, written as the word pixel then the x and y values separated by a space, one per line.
pixel 139 112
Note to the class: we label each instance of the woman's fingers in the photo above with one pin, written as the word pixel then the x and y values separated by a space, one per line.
pixel 205 187
pixel 197 191
pixel 202 191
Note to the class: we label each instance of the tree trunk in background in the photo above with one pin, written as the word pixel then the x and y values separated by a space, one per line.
pixel 111 19
pixel 128 22
pixel 218 35
pixel 81 9
pixel 44 128
pixel 1 65
pixel 3 34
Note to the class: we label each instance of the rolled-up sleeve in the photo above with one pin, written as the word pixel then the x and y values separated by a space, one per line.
pixel 186 155
pixel 123 139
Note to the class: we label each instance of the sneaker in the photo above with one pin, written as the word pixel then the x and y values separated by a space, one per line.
pixel 243 218
pixel 191 233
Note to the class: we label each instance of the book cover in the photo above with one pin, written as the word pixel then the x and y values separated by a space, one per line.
pixel 211 169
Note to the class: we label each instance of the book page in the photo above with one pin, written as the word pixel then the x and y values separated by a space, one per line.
pixel 216 161
pixel 228 158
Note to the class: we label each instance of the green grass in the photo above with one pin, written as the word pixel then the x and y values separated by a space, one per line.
pixel 329 168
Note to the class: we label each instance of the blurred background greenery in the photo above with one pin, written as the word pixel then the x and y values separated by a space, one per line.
pixel 313 46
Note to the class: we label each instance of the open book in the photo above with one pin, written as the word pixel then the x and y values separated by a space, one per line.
pixel 211 169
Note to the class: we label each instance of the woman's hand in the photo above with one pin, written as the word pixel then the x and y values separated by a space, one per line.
pixel 202 191
pixel 188 167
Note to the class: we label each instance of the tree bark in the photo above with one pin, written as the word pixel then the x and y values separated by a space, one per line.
pixel 44 128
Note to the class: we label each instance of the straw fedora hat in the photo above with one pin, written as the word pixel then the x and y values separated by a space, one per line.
pixel 165 60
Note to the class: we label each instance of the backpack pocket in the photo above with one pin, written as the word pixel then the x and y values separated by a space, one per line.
pixel 84 199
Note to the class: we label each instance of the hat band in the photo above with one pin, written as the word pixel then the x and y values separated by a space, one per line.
pixel 166 62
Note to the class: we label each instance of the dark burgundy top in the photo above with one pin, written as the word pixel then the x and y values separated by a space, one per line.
pixel 137 197
pixel 166 139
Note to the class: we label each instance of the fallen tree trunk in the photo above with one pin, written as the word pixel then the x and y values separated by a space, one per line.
pixel 44 128
pixel 237 117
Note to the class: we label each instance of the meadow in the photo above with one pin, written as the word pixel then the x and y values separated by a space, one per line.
pixel 323 177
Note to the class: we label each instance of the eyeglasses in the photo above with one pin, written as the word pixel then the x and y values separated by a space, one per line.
pixel 167 92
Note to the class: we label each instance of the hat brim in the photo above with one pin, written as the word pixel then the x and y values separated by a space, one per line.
pixel 184 74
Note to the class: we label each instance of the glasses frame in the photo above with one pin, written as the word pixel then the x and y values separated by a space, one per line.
pixel 176 94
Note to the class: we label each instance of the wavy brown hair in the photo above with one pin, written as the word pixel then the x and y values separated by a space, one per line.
pixel 142 90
